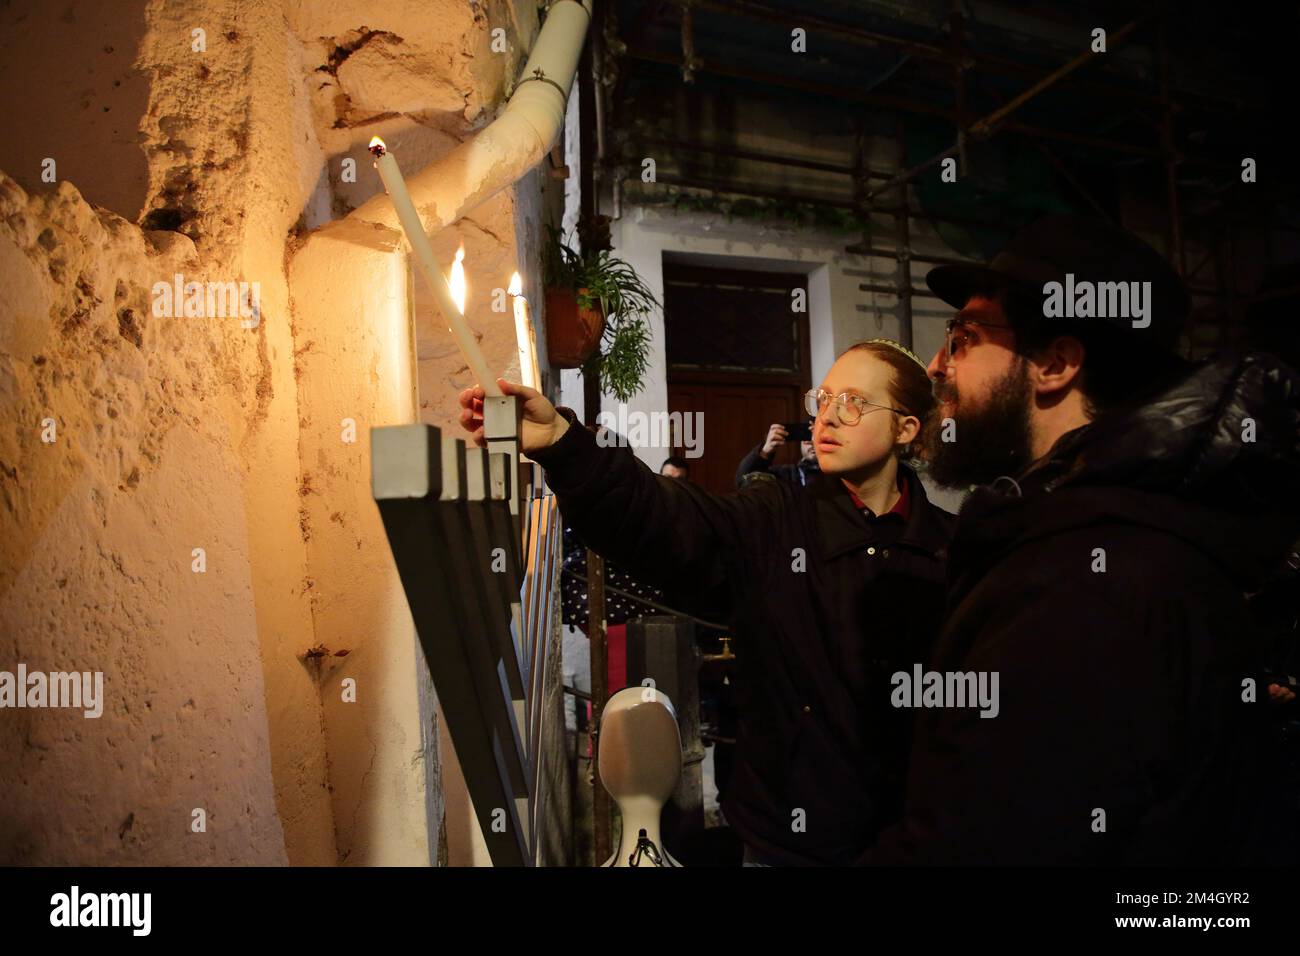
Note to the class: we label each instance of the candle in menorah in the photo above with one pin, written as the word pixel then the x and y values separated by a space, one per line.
pixel 477 547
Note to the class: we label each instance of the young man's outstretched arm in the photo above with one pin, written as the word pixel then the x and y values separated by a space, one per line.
pixel 663 530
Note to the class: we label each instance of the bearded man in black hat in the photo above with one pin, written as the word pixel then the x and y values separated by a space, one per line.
pixel 1123 501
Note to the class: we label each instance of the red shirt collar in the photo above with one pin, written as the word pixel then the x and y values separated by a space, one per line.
pixel 901 506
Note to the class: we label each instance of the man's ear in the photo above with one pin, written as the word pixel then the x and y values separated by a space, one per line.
pixel 909 426
pixel 1056 366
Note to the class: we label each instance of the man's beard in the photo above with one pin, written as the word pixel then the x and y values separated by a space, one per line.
pixel 991 439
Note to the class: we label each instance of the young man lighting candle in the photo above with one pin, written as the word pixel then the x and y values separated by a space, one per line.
pixel 831 588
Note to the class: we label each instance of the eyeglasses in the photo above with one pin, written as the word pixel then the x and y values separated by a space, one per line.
pixel 849 409
pixel 956 339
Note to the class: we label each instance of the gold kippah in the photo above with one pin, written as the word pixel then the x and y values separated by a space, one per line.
pixel 894 345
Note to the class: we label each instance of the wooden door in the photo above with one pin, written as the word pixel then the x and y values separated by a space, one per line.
pixel 737 352
pixel 736 417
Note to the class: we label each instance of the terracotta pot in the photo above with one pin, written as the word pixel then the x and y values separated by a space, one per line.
pixel 572 334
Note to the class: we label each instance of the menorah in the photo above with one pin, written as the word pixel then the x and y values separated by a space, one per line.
pixel 477 541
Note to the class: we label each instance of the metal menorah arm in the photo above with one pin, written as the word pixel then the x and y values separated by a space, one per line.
pixel 452 516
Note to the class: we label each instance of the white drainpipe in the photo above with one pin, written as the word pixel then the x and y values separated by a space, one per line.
pixel 510 146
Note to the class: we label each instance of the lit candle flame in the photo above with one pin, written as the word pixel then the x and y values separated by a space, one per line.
pixel 452 310
pixel 516 285
pixel 457 282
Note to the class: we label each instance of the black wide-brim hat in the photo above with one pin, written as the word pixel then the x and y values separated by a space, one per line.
pixel 1091 250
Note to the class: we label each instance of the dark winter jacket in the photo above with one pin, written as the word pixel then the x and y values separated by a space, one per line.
pixel 826 602
pixel 1107 593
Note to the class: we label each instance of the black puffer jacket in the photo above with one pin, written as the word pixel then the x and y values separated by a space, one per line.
pixel 1122 734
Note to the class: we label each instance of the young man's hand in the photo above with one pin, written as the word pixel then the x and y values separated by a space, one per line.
pixel 776 436
pixel 543 426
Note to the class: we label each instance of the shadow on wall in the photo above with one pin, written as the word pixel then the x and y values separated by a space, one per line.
pixel 70 93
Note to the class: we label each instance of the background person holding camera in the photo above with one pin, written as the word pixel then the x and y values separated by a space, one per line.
pixel 759 460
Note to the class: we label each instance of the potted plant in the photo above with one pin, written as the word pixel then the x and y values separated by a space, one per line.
pixel 596 316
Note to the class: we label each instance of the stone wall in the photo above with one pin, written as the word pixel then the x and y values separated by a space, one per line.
pixel 207 140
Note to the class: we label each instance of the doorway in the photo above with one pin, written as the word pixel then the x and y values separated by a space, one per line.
pixel 737 352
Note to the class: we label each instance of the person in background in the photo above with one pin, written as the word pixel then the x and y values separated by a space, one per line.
pixel 676 467
pixel 759 460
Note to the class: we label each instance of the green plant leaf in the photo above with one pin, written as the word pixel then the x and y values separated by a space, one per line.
pixel 625 300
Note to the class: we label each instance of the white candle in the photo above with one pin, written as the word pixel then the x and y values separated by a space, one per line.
pixel 415 235
pixel 525 336
pixel 532 348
